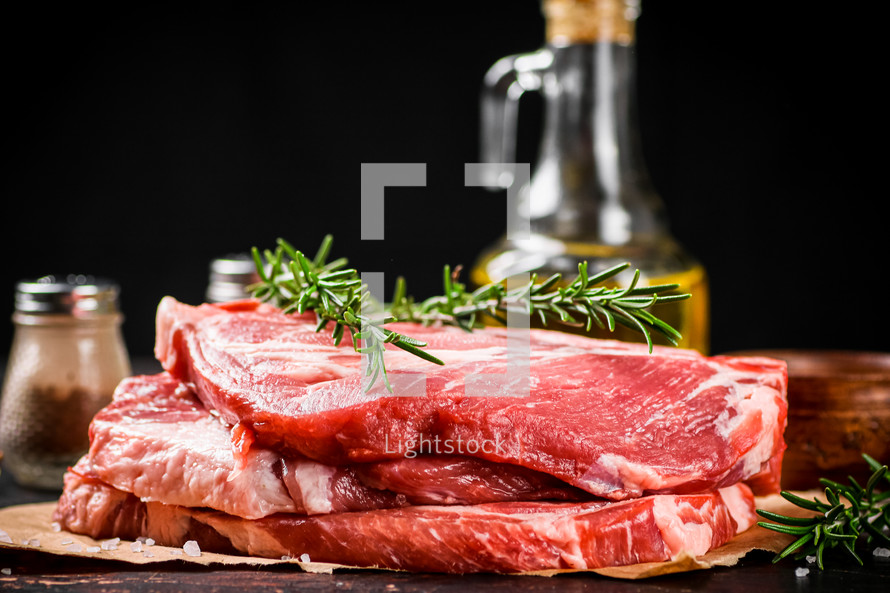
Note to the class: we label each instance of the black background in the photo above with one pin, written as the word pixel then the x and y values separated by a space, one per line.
pixel 143 140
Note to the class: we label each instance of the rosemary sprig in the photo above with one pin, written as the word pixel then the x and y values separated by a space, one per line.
pixel 336 294
pixel 866 520
pixel 580 303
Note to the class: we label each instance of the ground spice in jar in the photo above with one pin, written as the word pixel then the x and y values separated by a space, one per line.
pixel 53 421
pixel 67 357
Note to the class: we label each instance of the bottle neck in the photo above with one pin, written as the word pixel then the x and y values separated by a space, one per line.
pixel 590 183
pixel 588 21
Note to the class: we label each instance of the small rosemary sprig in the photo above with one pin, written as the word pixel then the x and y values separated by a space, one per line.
pixel 580 303
pixel 838 525
pixel 336 294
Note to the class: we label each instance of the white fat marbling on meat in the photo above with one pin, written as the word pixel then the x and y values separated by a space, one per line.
pixel 759 401
pixel 737 500
pixel 189 463
pixel 678 535
pixel 183 456
pixel 315 486
pixel 631 476
pixel 563 533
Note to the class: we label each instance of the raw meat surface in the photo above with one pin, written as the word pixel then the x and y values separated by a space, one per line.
pixel 452 479
pixel 158 441
pixel 607 417
pixel 498 537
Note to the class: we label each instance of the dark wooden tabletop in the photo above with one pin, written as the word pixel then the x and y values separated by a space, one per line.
pixel 31 570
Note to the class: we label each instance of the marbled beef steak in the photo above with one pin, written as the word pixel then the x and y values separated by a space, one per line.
pixel 498 537
pixel 604 416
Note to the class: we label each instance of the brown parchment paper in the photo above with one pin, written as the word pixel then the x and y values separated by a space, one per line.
pixel 26 523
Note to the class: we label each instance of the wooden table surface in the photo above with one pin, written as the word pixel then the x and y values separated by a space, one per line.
pixel 39 571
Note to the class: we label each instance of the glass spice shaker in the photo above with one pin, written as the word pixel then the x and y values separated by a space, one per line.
pixel 229 278
pixel 67 357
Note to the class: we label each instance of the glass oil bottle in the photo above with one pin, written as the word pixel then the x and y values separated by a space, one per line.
pixel 590 196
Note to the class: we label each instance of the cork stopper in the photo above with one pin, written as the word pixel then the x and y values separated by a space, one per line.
pixel 589 21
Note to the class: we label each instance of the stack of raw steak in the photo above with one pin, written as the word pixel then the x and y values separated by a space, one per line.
pixel 260 438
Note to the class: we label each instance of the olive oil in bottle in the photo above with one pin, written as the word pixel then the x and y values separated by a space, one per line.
pixel 589 197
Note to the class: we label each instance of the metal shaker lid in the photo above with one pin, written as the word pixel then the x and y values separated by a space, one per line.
pixel 74 294
pixel 230 276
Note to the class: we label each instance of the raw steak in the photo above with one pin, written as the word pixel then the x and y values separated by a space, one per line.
pixel 605 416
pixel 158 441
pixel 497 537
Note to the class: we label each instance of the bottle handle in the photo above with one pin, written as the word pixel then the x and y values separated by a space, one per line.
pixel 503 85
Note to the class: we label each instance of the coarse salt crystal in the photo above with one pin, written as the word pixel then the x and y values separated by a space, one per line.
pixel 801 572
pixel 65 542
pixel 136 546
pixel 304 557
pixel 191 548
pixel 149 541
pixel 6 571
pixel 176 552
pixel 93 549
pixel 56 527
pixel 75 548
pixel 35 543
pixel 882 552
pixel 811 559
pixel 286 558
pixel 110 544
pixel 4 537
pixel 148 554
